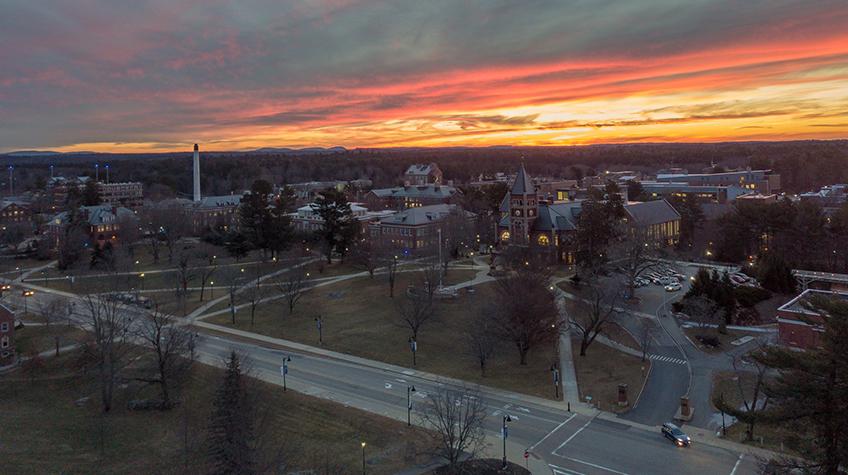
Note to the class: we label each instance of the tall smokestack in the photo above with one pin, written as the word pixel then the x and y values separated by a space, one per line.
pixel 196 174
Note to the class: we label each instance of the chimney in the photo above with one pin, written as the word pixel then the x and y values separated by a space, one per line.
pixel 196 174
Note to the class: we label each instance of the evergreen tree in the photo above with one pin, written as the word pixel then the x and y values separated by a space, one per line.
pixel 231 432
pixel 90 194
pixel 811 390
pixel 263 218
pixel 340 227
pixel 237 245
pixel 691 218
pixel 597 225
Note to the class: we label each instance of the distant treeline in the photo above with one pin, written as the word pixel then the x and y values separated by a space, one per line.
pixel 803 165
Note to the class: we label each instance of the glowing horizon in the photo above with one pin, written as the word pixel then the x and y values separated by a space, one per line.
pixel 357 74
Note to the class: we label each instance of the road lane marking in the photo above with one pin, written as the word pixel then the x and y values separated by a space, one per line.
pixel 738 461
pixel 563 471
pixel 667 359
pixel 551 432
pixel 554 452
pixel 594 465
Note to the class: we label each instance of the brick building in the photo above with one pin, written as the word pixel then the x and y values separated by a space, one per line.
pixel 7 336
pixel 416 229
pixel 801 326
pixel 423 174
pixel 527 220
pixel 127 194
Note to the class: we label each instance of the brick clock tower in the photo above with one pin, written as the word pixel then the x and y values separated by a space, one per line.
pixel 522 208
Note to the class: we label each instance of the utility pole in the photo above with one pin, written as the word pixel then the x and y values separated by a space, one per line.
pixel 284 370
pixel 506 419
pixel 413 346
pixel 409 391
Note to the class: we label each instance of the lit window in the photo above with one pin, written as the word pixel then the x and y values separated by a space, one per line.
pixel 505 236
pixel 544 240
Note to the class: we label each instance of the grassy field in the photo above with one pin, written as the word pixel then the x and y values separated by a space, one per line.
pixel 46 432
pixel 33 339
pixel 727 383
pixel 359 318
pixel 601 371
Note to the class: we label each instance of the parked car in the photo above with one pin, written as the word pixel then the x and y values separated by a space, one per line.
pixel 672 287
pixel 676 435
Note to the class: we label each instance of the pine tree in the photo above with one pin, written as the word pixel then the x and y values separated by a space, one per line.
pixel 231 431
pixel 340 227
pixel 811 391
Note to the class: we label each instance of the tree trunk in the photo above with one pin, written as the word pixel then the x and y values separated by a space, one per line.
pixel 522 350
pixel 584 344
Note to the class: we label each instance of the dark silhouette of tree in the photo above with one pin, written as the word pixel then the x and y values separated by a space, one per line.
pixel 526 313
pixel 231 437
pixel 455 419
pixel 339 227
pixel 172 347
pixel 810 392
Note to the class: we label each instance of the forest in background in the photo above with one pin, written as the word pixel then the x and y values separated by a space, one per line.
pixel 803 165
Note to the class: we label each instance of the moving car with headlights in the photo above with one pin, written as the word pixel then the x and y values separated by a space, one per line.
pixel 676 435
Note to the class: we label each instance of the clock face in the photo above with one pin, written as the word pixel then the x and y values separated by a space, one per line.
pixel 518 212
pixel 530 212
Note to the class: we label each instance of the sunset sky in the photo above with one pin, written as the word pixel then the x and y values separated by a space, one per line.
pixel 159 75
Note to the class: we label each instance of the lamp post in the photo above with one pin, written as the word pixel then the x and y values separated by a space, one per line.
pixel 107 173
pixel 211 290
pixel 506 419
pixel 409 391
pixel 319 323
pixel 284 370
pixel 96 172
pixel 141 276
pixel 413 346
pixel 27 293
pixel 363 458
pixel 555 374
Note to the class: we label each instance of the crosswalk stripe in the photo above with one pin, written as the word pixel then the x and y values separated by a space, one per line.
pixel 667 359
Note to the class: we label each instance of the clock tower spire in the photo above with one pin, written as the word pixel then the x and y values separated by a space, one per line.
pixel 522 207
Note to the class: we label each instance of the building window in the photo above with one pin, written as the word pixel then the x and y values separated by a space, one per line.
pixel 4 327
pixel 544 240
pixel 4 342
pixel 505 236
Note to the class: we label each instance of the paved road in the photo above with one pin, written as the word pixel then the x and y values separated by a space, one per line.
pixel 569 443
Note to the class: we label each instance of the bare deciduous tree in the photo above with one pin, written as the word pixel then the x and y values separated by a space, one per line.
pixel 110 326
pixel 456 418
pixel 292 286
pixel 635 253
pixel 646 329
pixel 205 272
pixel 755 399
pixel 52 311
pixel 481 338
pixel 525 312
pixel 601 309
pixel 253 293
pixel 414 310
pixel 173 348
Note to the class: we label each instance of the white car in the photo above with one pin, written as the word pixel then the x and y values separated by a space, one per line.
pixel 672 287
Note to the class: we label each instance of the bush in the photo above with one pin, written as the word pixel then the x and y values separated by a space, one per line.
pixel 709 340
pixel 750 296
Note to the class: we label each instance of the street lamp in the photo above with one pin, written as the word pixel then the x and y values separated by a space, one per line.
pixel 141 276
pixel 4 288
pixel 409 391
pixel 284 370
pixel 319 323
pixel 211 290
pixel 413 346
pixel 555 374
pixel 27 293
pixel 506 419
pixel 363 458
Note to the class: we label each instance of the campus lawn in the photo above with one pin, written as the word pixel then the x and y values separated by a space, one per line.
pixel 601 371
pixel 46 432
pixel 33 339
pixel 360 318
